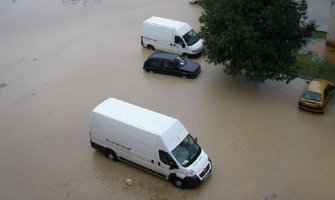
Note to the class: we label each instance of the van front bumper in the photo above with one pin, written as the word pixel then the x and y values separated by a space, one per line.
pixel 194 181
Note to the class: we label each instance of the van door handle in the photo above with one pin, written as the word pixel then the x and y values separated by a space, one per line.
pixel 159 164
pixel 171 44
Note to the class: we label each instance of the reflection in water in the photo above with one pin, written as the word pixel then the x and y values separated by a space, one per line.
pixel 113 176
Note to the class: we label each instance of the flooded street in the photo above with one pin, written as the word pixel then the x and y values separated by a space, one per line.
pixel 59 59
pixel 324 51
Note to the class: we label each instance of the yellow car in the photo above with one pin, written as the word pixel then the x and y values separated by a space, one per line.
pixel 317 95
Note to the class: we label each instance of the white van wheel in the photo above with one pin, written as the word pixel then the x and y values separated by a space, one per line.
pixel 149 46
pixel 185 55
pixel 179 183
pixel 110 154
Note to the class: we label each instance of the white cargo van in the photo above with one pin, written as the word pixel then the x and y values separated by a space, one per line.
pixel 170 36
pixel 148 140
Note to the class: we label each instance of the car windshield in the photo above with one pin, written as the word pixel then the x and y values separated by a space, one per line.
pixel 191 38
pixel 180 61
pixel 187 151
pixel 314 96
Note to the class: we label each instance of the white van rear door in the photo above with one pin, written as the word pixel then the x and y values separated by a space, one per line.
pixel 165 39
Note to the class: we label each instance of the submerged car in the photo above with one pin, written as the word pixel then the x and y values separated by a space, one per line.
pixel 172 64
pixel 317 95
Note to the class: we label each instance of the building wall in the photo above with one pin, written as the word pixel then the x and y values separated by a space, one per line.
pixel 331 27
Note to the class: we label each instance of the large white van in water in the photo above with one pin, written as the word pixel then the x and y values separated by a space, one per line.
pixel 171 36
pixel 148 140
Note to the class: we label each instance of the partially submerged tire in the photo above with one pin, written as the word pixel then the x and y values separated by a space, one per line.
pixel 150 47
pixel 179 183
pixel 110 154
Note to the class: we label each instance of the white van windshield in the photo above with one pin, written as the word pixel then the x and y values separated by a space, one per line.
pixel 191 37
pixel 187 151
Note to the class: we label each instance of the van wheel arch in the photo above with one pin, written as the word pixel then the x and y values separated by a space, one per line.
pixel 110 154
pixel 178 182
pixel 149 46
pixel 186 55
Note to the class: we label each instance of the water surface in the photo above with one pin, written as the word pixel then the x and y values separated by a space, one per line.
pixel 59 59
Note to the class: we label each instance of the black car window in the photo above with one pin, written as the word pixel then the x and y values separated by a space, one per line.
pixel 155 62
pixel 168 64
pixel 180 61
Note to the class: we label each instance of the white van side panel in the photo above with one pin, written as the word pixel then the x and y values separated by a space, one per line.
pixel 98 129
pixel 160 33
pixel 111 126
pixel 158 37
pixel 122 138
pixel 136 135
pixel 128 129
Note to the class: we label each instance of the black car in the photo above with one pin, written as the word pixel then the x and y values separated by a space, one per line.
pixel 166 63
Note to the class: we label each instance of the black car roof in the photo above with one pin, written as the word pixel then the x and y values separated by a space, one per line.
pixel 161 55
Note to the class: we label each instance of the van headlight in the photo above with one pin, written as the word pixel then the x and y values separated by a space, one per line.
pixel 189 172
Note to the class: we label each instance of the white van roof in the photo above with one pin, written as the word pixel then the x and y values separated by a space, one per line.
pixel 180 27
pixel 166 127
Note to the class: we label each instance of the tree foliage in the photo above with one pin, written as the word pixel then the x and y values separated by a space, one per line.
pixel 256 38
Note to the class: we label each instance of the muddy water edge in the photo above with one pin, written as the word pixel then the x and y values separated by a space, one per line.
pixel 59 59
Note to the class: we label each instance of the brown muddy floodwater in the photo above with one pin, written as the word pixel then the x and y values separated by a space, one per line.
pixel 59 59
pixel 324 51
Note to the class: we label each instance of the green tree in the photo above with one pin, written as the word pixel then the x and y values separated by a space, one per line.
pixel 258 39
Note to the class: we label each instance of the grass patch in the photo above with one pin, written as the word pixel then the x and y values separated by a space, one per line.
pixel 319 35
pixel 311 66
